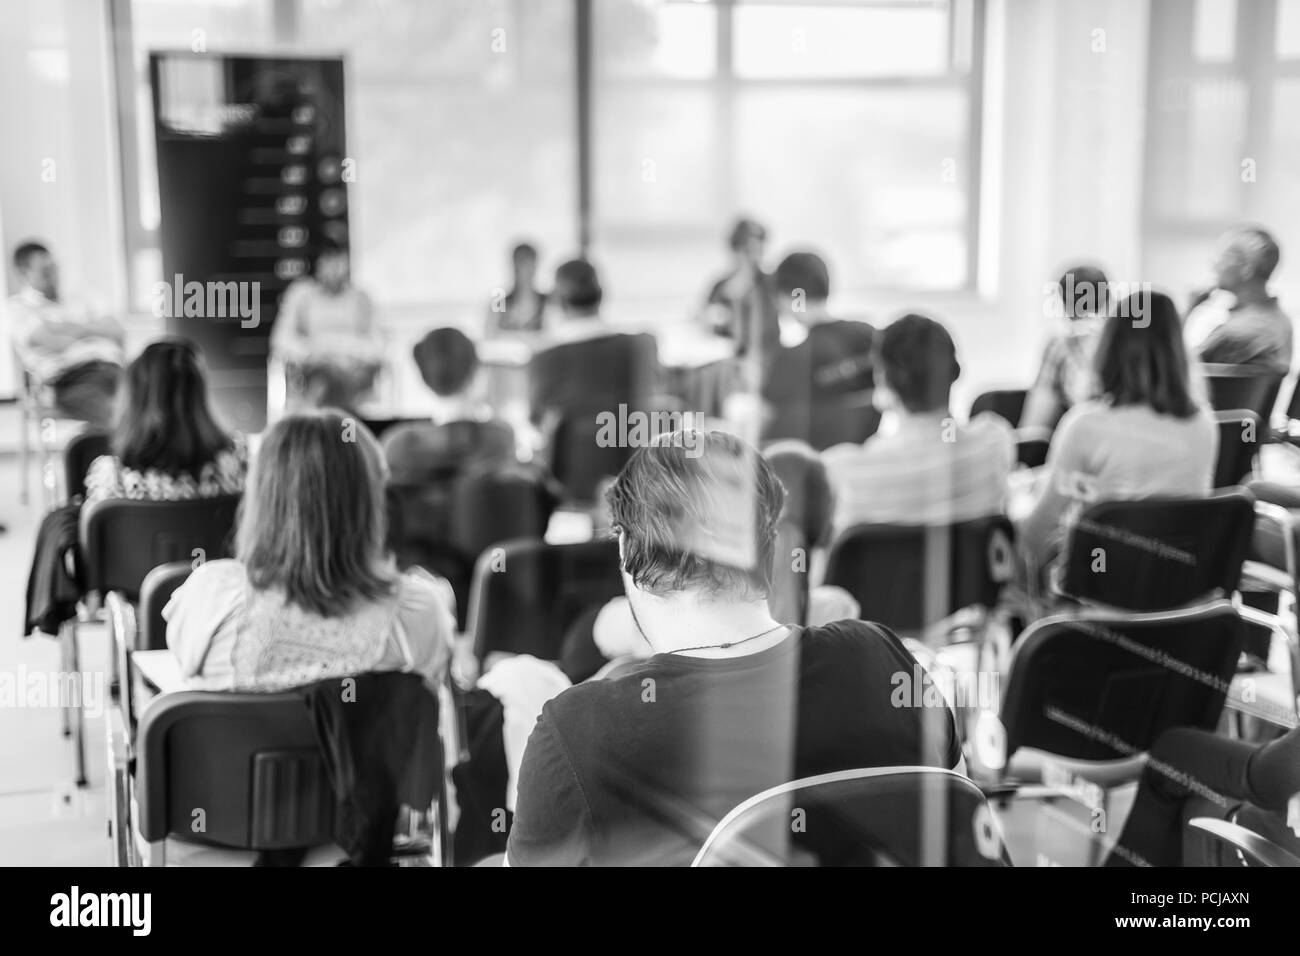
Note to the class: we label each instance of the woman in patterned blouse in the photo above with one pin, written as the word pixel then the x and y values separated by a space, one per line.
pixel 167 445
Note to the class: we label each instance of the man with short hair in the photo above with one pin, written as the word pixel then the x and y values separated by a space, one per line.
pixel 589 367
pixel 67 349
pixel 931 470
pixel 639 768
pixel 809 382
pixel 1256 330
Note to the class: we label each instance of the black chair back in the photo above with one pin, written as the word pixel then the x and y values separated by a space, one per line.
pixel 1240 435
pixel 250 762
pixel 80 452
pixel 1153 554
pixel 909 577
pixel 1243 386
pixel 1007 402
pixel 1103 686
pixel 871 817
pixel 123 540
pixel 526 595
pixel 158 587
pixel 1032 452
pixel 577 460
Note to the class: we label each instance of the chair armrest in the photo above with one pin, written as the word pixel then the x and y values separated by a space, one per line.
pixel 1251 844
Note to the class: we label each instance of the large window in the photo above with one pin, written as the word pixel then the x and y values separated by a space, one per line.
pixel 1223 136
pixel 845 124
pixel 850 124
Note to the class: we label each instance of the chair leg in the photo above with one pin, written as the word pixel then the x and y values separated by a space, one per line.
pixel 158 853
pixel 79 713
pixel 25 454
pixel 64 667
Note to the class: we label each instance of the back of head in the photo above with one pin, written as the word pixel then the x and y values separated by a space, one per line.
pixel 312 523
pixel 1084 292
pixel 698 512
pixel 919 361
pixel 744 232
pixel 447 360
pixel 25 252
pixel 1257 252
pixel 804 271
pixel 809 499
pixel 164 419
pixel 1141 359
pixel 577 287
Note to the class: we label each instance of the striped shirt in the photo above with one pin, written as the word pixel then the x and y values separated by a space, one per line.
pixel 931 471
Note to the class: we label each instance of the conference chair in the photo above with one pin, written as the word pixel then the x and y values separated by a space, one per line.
pixel 911 577
pixel 1241 432
pixel 1243 386
pixel 1153 554
pixel 235 771
pixel 578 462
pixel 824 421
pixel 38 412
pixel 1008 403
pixel 880 816
pixel 444 525
pixel 527 593
pixel 121 542
pixel 1272 569
pixel 1250 848
pixel 77 458
pixel 1088 693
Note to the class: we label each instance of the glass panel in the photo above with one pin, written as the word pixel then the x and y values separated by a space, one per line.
pixel 655 38
pixel 1214 31
pixel 1288 29
pixel 841 41
pixel 810 163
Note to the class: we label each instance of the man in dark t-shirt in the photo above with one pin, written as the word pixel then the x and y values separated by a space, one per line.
pixel 638 769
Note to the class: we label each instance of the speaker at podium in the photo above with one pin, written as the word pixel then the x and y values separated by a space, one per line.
pixel 251 179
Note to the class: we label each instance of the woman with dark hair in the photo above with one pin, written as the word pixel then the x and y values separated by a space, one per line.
pixel 1148 433
pixel 166 444
pixel 312 592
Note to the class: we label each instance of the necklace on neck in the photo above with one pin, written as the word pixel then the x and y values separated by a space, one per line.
pixel 729 644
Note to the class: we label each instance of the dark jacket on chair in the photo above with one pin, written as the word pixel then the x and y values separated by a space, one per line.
pixel 378 734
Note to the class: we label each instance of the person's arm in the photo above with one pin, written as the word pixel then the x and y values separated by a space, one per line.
pixel 427 617
pixel 199 610
pixel 288 335
pixel 552 825
pixel 1043 406
pixel 1064 483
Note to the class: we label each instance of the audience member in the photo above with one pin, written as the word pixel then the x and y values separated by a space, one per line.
pixel 805 383
pixel 462 431
pixel 65 348
pixel 311 593
pixel 167 445
pixel 638 768
pixel 1147 434
pixel 589 366
pixel 1255 330
pixel 523 307
pixel 931 470
pixel 741 304
pixel 1065 373
pixel 326 336
pixel 1195 773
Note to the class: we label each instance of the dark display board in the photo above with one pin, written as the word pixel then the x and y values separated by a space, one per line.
pixel 252 178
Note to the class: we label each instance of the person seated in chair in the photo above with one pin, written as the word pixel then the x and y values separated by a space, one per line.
pixel 1196 773
pixel 588 366
pixel 639 767
pixel 311 593
pixel 1065 373
pixel 932 470
pixel 834 360
pixel 326 336
pixel 462 431
pixel 1255 330
pixel 64 347
pixel 1148 434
